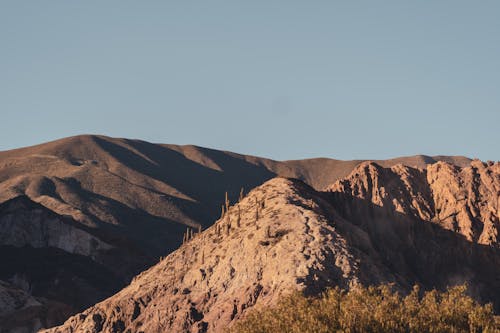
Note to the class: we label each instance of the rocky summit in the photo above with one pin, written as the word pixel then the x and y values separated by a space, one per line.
pixel 434 226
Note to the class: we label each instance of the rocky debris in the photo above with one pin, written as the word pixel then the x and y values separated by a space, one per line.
pixel 375 226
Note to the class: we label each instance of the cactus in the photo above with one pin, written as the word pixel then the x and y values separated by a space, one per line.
pixel 228 228
pixel 203 257
pixel 268 231
pixel 199 229
pixel 241 195
pixel 222 213
pixel 256 210
pixel 227 203
pixel 188 235
pixel 238 218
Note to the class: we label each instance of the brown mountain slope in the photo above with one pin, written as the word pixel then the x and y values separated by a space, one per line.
pixel 142 193
pixel 286 236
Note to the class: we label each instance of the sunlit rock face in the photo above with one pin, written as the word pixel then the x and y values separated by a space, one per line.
pixel 463 200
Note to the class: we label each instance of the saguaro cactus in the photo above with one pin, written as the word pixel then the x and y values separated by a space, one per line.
pixel 238 218
pixel 241 195
pixel 187 235
pixel 256 209
pixel 227 202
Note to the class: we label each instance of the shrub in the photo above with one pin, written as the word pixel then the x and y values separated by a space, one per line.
pixel 373 309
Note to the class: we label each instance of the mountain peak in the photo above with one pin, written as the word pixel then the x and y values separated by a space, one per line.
pixel 271 242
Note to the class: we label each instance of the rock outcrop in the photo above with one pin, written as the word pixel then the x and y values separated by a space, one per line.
pixel 26 223
pixel 52 265
pixel 463 200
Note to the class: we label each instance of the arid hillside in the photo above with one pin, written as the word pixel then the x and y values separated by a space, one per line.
pixel 143 195
pixel 114 206
pixel 377 225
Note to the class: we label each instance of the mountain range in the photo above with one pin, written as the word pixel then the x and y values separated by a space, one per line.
pixel 82 217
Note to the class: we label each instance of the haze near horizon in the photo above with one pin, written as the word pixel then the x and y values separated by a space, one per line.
pixel 284 80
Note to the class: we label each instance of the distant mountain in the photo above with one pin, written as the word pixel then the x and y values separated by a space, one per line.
pixel 435 227
pixel 114 206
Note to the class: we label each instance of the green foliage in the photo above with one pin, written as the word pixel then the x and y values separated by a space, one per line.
pixel 373 309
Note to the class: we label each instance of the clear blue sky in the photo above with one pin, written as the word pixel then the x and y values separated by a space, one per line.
pixel 281 79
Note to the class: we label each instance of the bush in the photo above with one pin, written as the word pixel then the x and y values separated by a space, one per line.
pixel 373 309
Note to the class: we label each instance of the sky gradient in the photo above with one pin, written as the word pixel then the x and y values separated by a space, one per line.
pixel 279 79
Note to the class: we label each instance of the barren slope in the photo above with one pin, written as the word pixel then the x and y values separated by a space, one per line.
pixel 142 195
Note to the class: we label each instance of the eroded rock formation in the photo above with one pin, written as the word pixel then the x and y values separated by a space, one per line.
pixel 463 200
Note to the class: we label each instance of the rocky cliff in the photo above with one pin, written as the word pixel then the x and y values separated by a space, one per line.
pixel 463 200
pixel 52 265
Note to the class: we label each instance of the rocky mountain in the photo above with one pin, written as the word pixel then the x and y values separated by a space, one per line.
pixel 462 200
pixel 434 227
pixel 114 206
